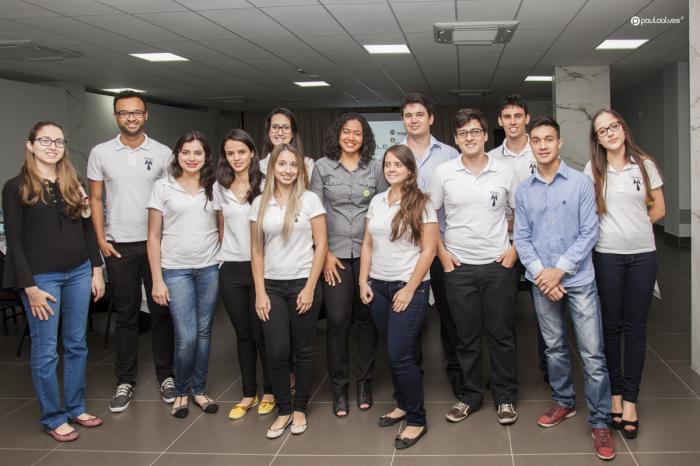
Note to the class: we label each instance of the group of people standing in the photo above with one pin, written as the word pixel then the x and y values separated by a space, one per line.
pixel 279 237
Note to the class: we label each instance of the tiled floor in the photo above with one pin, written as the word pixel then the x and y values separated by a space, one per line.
pixel 145 434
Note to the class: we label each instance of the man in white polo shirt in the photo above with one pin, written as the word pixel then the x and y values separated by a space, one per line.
pixel 417 116
pixel 515 151
pixel 126 168
pixel 480 278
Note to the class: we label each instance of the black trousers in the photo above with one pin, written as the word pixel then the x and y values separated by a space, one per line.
pixel 482 298
pixel 541 346
pixel 126 275
pixel 287 326
pixel 238 293
pixel 625 287
pixel 343 308
pixel 448 332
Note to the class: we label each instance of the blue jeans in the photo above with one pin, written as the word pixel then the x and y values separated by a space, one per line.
pixel 72 292
pixel 401 331
pixel 193 294
pixel 582 303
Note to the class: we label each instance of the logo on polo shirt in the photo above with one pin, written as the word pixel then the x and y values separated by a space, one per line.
pixel 533 165
pixel 148 162
pixel 494 198
pixel 637 182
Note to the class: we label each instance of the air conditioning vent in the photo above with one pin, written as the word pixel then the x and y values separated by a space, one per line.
pixel 27 50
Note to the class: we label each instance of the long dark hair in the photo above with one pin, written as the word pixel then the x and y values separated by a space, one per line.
pixel 225 174
pixel 32 189
pixel 413 200
pixel 296 139
pixel 599 160
pixel 206 174
pixel 331 146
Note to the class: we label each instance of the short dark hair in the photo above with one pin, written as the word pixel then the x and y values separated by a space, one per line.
pixel 418 98
pixel 129 95
pixel 512 100
pixel 465 115
pixel 544 121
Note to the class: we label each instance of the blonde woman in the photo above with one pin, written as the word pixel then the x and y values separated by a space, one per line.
pixel 288 250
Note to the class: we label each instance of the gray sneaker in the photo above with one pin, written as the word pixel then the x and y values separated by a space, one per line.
pixel 122 397
pixel 507 414
pixel 167 390
pixel 459 412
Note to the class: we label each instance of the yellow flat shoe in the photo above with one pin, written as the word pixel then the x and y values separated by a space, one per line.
pixel 239 410
pixel 266 407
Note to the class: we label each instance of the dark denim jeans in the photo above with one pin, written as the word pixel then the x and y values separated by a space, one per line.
pixel 72 292
pixel 193 294
pixel 582 304
pixel 401 331
pixel 625 286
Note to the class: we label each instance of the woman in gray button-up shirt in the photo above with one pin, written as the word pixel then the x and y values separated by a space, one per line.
pixel 346 179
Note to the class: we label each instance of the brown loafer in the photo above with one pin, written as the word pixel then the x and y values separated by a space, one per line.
pixel 69 437
pixel 92 422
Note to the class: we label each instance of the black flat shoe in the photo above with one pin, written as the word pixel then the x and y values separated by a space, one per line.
pixel 340 403
pixel 364 395
pixel 617 425
pixel 388 421
pixel 403 443
pixel 629 433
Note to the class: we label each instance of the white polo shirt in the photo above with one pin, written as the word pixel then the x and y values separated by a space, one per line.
pixel 307 160
pixel 190 238
pixel 392 260
pixel 128 175
pixel 291 259
pixel 523 164
pixel 625 227
pixel 475 208
pixel 235 246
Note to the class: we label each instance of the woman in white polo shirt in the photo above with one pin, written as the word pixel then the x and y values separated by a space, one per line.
pixel 238 180
pixel 183 242
pixel 399 245
pixel 629 197
pixel 288 250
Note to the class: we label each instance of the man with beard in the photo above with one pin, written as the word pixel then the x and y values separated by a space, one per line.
pixel 126 168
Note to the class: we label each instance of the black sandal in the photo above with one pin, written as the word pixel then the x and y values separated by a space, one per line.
pixel 209 406
pixel 340 403
pixel 364 395
pixel 181 411
pixel 617 425
pixel 630 433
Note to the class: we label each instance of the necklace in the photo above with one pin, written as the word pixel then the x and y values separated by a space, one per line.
pixel 241 191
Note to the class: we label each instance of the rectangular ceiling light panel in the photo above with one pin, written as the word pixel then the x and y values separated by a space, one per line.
pixel 621 44
pixel 387 49
pixel 158 57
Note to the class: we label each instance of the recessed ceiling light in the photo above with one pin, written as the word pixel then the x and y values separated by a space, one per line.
pixel 311 83
pixel 117 90
pixel 539 78
pixel 621 44
pixel 158 57
pixel 386 49
pixel 470 92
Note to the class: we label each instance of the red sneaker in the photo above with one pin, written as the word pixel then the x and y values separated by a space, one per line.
pixel 555 415
pixel 604 443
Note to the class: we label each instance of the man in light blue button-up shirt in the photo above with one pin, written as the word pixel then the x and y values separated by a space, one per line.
pixel 556 228
pixel 417 116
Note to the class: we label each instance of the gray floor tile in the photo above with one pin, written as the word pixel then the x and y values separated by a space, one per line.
pixel 17 383
pixel 659 382
pixel 665 459
pixel 670 347
pixel 669 425
pixel 282 460
pixel 89 458
pixel 479 434
pixel 588 459
pixel 495 460
pixel 21 429
pixel 689 376
pixel 14 457
pixel 181 459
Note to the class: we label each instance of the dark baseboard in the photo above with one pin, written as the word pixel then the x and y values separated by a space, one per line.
pixel 671 240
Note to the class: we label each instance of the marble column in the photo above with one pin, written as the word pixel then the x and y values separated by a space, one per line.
pixel 694 41
pixel 578 93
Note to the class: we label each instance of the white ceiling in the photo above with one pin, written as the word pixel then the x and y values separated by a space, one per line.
pixel 255 48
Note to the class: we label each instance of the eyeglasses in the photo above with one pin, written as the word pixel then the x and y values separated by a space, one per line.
pixel 475 132
pixel 46 142
pixel 123 114
pixel 277 128
pixel 613 127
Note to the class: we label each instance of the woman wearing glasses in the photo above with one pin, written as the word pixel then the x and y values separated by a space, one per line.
pixel 346 179
pixel 53 258
pixel 238 184
pixel 288 248
pixel 281 128
pixel 399 245
pixel 629 199
pixel 183 242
